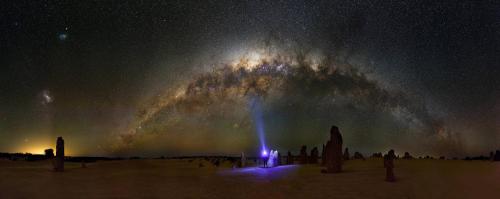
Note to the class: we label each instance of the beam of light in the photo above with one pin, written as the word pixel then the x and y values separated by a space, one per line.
pixel 256 111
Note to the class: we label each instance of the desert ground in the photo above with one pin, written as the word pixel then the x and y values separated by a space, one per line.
pixel 170 178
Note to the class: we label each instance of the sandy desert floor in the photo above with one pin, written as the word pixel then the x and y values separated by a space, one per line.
pixel 184 179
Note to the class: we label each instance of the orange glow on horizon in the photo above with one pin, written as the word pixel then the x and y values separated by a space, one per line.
pixel 39 146
pixel 35 149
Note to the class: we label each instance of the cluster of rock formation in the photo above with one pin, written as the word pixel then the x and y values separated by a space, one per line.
pixel 304 158
pixel 407 156
pixel 331 156
pixel 377 155
pixel 358 156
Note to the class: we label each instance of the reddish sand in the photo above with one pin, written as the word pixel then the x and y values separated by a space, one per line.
pixel 183 179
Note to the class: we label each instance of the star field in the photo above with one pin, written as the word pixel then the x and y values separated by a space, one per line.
pixel 178 77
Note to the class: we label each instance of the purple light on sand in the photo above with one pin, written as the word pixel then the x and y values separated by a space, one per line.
pixel 258 174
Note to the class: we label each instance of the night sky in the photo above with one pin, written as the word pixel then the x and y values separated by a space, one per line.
pixel 205 77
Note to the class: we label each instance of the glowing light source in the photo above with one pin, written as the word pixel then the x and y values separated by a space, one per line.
pixel 264 153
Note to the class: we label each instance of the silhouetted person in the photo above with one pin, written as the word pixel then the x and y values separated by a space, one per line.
pixel 265 158
pixel 59 166
pixel 389 166
pixel 334 151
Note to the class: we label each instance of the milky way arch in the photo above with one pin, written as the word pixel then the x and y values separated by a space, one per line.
pixel 295 88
